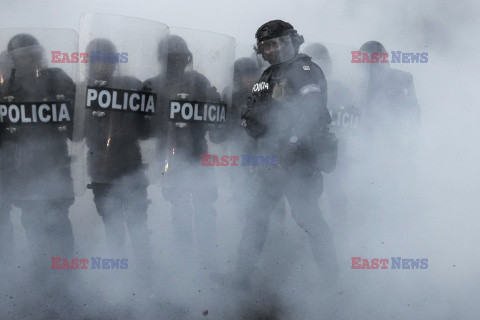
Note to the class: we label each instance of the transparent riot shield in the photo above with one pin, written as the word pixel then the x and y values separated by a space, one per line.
pixel 198 89
pixel 116 110
pixel 345 92
pixel 36 113
pixel 247 50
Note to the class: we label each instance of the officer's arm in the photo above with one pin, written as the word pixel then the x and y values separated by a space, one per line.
pixel 309 101
pixel 254 118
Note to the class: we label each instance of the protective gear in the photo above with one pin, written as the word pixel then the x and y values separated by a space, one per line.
pixel 343 106
pixel 391 122
pixel 278 28
pixel 36 121
pixel 190 188
pixel 22 40
pixel 390 99
pixel 372 46
pixel 34 144
pixel 119 113
pixel 179 56
pixel 245 73
pixel 288 111
pixel 319 54
pixel 277 41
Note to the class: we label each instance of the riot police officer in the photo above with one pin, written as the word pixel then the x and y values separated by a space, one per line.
pixel 345 125
pixel 6 226
pixel 392 120
pixel 288 117
pixel 190 189
pixel 114 159
pixel 36 162
pixel 36 174
pixel 391 104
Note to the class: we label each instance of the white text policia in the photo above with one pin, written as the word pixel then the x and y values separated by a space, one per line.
pixel 122 100
pixel 34 112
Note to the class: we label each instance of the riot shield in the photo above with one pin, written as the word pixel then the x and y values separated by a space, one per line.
pixel 198 89
pixel 345 92
pixel 116 111
pixel 36 114
pixel 247 50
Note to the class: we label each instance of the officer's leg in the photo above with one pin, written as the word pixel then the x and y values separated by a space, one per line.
pixel 38 221
pixel 337 195
pixel 306 212
pixel 206 224
pixel 182 214
pixel 34 221
pixel 6 232
pixel 110 208
pixel 60 243
pixel 255 231
pixel 59 228
pixel 136 205
pixel 48 228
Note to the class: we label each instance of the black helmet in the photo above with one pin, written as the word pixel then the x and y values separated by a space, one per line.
pixel 98 67
pixel 174 45
pixel 245 67
pixel 317 51
pixel 277 41
pixel 177 45
pixel 278 28
pixel 102 45
pixel 26 53
pixel 319 54
pixel 21 40
pixel 372 46
pixel 178 54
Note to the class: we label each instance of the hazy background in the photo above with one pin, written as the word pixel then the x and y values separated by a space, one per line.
pixel 440 222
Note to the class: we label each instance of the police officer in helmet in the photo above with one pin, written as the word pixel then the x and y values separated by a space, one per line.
pixel 115 167
pixel 288 117
pixel 190 190
pixel 35 163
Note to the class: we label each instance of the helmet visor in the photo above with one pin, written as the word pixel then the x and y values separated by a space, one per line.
pixel 276 50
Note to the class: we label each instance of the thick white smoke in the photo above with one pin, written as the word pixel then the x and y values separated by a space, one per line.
pixel 437 220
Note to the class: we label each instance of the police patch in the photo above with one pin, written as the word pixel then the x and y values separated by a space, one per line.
pixel 35 112
pixel 120 100
pixel 196 111
pixel 306 68
pixel 309 88
pixel 259 87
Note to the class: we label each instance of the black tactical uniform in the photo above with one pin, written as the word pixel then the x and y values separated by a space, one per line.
pixel 345 124
pixel 114 161
pixel 190 188
pixel 6 226
pixel 35 159
pixel 392 119
pixel 288 117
